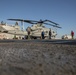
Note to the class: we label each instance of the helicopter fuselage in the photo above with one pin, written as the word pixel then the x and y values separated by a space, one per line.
pixel 36 29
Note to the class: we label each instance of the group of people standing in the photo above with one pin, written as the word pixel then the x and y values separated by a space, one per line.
pixel 42 34
pixel 50 34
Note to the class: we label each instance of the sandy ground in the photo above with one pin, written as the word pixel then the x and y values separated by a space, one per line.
pixel 37 59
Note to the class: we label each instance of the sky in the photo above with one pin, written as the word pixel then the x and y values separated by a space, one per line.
pixel 62 12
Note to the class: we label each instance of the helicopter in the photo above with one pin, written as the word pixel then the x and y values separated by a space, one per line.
pixel 9 31
pixel 37 27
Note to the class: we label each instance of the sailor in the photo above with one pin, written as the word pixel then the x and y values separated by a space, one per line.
pixel 72 34
pixel 28 31
pixel 50 34
pixel 42 34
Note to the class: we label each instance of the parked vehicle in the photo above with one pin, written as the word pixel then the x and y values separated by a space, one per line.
pixel 66 37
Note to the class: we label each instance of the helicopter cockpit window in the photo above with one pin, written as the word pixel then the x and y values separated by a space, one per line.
pixel 16 23
pixel 53 32
pixel 2 23
pixel 43 26
pixel 46 31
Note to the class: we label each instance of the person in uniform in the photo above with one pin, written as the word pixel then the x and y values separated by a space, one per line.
pixel 42 35
pixel 50 34
pixel 72 34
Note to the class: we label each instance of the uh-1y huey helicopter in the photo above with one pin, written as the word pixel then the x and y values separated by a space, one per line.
pixel 38 26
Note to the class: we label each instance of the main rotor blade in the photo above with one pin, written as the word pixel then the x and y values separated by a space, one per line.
pixel 53 25
pixel 35 22
pixel 52 22
pixel 28 21
pixel 16 19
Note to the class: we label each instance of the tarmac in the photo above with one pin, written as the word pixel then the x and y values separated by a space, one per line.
pixel 38 57
pixel 53 41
